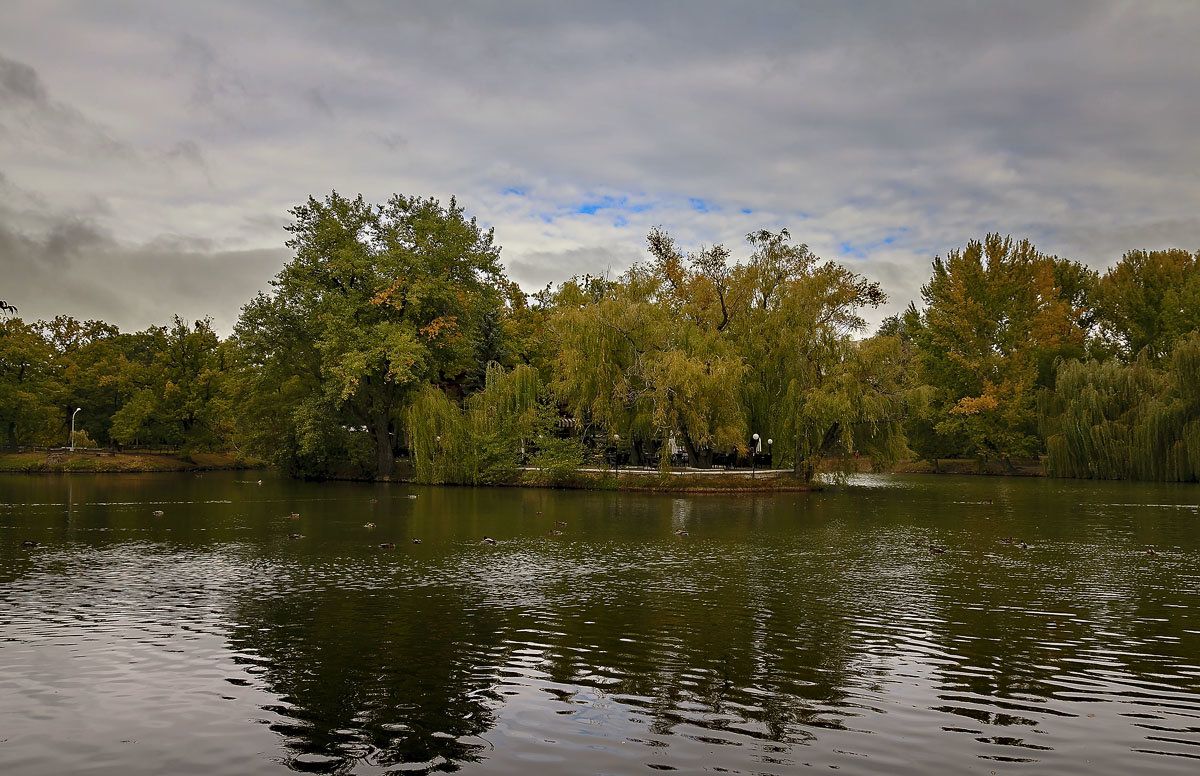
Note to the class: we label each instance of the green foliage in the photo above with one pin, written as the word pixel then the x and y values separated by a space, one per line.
pixel 161 386
pixel 27 410
pixel 1149 300
pixel 393 327
pixel 812 388
pixel 379 301
pixel 1108 420
pixel 557 458
pixel 173 397
pixel 479 442
pixel 998 315
pixel 710 351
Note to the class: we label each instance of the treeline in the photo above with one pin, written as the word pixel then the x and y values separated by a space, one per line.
pixel 161 386
pixel 393 331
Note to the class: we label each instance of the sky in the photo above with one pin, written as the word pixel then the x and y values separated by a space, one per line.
pixel 150 152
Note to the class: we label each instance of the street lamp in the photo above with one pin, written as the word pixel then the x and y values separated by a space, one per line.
pixel 73 414
pixel 617 454
pixel 754 457
pixel 770 454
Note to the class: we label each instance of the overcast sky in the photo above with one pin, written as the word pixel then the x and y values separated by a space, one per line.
pixel 149 152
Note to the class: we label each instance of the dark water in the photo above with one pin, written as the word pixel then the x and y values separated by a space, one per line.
pixel 782 633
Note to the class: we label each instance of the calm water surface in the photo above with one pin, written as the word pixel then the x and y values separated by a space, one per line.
pixel 783 633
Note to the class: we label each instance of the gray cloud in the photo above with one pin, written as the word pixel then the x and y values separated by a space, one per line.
pixel 19 83
pixel 78 270
pixel 318 103
pixel 31 119
pixel 880 133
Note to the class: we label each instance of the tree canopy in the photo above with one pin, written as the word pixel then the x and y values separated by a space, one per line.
pixel 997 318
pixel 393 330
pixel 379 301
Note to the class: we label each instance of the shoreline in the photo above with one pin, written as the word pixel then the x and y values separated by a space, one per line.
pixel 95 462
pixel 645 480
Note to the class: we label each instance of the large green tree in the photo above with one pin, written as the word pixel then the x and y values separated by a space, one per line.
pixel 811 386
pixel 645 358
pixel 92 371
pixel 378 301
pixel 177 377
pixel 1149 300
pixel 998 316
pixel 28 410
pixel 711 351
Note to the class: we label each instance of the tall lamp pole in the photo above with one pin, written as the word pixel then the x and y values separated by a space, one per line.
pixel 770 452
pixel 617 455
pixel 73 414
pixel 754 457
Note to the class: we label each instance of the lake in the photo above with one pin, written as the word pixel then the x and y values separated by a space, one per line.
pixel 781 633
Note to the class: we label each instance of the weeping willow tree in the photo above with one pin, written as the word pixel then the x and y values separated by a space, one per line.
pixel 1108 420
pixel 478 442
pixel 1166 445
pixel 606 338
pixel 855 405
pixel 810 385
pixel 634 365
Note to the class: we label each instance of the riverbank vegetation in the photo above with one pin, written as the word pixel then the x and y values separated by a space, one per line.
pixel 103 461
pixel 394 331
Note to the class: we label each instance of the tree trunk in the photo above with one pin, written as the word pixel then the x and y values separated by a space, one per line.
pixel 696 459
pixel 798 461
pixel 384 462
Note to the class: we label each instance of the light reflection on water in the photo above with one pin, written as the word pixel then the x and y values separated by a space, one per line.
pixel 781 632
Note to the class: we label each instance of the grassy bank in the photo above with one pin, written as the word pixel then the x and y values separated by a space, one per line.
pixel 84 461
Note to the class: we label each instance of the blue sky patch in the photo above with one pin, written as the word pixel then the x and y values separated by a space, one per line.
pixel 862 250
pixel 593 206
pixel 851 250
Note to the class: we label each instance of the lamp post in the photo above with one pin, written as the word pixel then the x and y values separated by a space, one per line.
pixel 73 414
pixel 754 457
pixel 770 454
pixel 617 455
